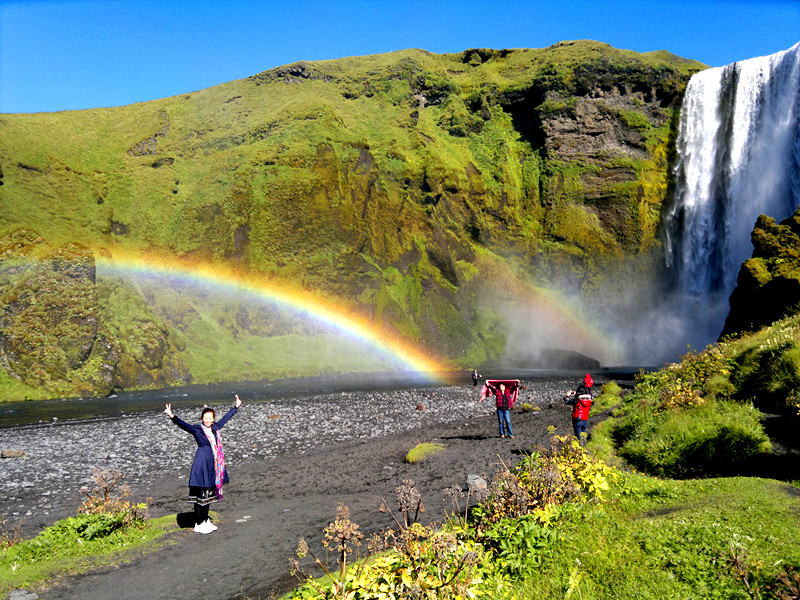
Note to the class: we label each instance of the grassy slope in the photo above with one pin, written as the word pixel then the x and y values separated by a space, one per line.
pixel 331 177
pixel 669 539
pixel 56 552
pixel 705 537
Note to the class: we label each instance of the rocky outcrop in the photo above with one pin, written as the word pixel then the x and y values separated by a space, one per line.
pixel 768 285
pixel 59 333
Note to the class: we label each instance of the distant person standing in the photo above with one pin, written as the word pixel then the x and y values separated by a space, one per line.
pixel 208 473
pixel 505 393
pixel 475 377
pixel 581 401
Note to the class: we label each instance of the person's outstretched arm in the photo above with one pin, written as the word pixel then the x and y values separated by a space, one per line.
pixel 236 404
pixel 177 420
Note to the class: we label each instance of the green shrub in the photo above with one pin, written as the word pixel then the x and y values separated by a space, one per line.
pixel 520 544
pixel 610 396
pixel 769 375
pixel 719 386
pixel 710 439
pixel 423 451
pixel 541 482
pixel 612 388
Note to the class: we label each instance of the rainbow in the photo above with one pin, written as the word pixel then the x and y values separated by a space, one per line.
pixel 345 322
pixel 555 311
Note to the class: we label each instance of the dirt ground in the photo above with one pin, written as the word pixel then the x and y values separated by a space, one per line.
pixel 270 504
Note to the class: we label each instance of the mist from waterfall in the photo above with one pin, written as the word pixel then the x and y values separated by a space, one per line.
pixel 738 152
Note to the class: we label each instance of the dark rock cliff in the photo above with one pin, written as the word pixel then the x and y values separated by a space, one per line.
pixel 768 285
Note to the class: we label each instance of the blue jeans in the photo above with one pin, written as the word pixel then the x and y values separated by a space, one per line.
pixel 580 427
pixel 504 418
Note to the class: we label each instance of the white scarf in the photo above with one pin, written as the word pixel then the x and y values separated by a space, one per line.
pixel 211 440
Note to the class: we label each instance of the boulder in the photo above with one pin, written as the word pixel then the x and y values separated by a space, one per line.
pixel 476 482
pixel 768 285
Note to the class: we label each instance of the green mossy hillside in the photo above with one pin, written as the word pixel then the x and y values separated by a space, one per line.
pixel 389 182
pixel 64 333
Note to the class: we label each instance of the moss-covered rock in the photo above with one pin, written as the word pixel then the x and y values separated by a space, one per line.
pixel 54 325
pixel 768 284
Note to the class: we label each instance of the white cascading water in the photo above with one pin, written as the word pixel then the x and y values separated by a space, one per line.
pixel 738 157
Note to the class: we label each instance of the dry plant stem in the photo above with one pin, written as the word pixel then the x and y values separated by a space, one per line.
pixel 9 537
pixel 303 576
pixel 737 562
pixel 343 569
pixel 391 514
pixel 456 572
pixel 416 514
pixel 790 585
pixel 466 508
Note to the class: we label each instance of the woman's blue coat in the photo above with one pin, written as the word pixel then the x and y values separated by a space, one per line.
pixel 202 474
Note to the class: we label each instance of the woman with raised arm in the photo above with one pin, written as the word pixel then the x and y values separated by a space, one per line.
pixel 208 473
pixel 505 392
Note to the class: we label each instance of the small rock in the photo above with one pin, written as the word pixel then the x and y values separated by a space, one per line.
pixel 22 595
pixel 476 482
pixel 12 453
pixel 420 407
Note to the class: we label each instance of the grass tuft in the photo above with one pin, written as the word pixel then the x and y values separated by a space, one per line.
pixel 422 451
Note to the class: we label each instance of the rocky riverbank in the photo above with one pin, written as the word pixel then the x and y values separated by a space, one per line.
pixel 44 484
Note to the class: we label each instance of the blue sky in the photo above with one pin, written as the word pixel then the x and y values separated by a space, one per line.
pixel 75 54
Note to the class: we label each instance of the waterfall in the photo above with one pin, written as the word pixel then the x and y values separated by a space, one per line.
pixel 738 157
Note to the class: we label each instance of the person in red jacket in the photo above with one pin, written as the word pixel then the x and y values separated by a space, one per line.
pixel 581 401
pixel 505 393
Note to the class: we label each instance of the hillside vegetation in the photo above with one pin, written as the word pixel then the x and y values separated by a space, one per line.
pixel 438 194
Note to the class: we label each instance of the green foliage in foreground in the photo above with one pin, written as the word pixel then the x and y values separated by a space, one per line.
pixel 422 451
pixel 673 539
pixel 561 524
pixel 77 544
pixel 107 527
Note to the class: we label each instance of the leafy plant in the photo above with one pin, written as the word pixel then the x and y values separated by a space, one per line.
pixel 105 498
pixel 417 561
pixel 520 545
pixel 542 480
